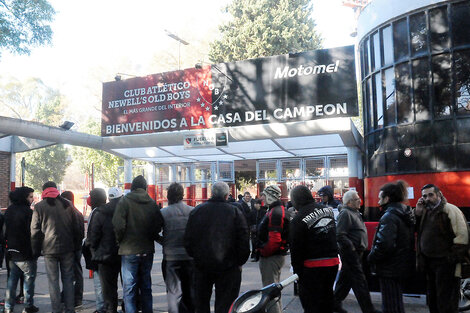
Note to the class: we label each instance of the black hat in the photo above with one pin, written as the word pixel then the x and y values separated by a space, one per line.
pixel 139 182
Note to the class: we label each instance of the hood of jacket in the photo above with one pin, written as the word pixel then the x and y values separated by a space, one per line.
pixel 328 191
pixel 402 211
pixel 110 207
pixel 139 195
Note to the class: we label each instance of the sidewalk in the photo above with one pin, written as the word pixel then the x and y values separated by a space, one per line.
pixel 251 280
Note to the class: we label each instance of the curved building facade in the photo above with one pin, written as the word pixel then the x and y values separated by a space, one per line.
pixel 415 81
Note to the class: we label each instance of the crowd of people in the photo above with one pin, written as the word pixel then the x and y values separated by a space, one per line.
pixel 205 247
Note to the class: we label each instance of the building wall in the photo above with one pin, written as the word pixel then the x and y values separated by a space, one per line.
pixel 4 178
pixel 415 75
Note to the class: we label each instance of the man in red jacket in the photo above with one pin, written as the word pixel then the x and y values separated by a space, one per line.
pixel 273 235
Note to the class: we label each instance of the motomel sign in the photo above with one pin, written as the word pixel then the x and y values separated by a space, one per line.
pixel 284 88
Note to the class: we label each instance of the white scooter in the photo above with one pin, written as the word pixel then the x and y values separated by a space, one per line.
pixel 259 301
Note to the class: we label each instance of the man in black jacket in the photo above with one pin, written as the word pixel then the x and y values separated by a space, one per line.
pixel 392 254
pixel 21 260
pixel 314 253
pixel 54 232
pixel 256 216
pixel 105 249
pixel 351 234
pixel 217 238
pixel 77 267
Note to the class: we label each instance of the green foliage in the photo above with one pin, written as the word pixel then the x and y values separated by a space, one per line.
pixel 21 99
pixel 264 28
pixel 25 24
pixel 245 180
pixel 32 100
pixel 46 164
pixel 105 164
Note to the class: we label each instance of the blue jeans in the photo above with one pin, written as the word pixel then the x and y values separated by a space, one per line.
pixel 136 270
pixel 98 291
pixel 29 269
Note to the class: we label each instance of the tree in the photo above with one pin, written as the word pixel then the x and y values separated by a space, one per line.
pixel 105 164
pixel 48 163
pixel 33 100
pixel 25 24
pixel 265 28
pixel 245 180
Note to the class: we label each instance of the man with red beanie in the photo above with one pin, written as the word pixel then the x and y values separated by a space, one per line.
pixel 54 230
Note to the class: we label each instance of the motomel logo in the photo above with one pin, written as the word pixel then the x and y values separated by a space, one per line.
pixel 307 70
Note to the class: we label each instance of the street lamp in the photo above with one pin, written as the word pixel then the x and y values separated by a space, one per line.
pixel 180 41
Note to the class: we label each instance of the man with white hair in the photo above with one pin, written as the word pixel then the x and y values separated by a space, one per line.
pixel 351 234
pixel 217 238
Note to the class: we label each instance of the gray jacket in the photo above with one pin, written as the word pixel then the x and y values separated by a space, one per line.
pixel 351 232
pixel 54 229
pixel 175 218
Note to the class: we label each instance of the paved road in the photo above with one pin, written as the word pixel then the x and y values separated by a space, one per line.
pixel 251 280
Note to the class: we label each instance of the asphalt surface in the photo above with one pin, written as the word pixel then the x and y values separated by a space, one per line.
pixel 251 280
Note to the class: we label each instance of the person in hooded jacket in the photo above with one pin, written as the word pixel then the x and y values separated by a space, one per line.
pixel 54 232
pixel 392 255
pixel 137 223
pixel 255 218
pixel 314 252
pixel 77 267
pixel 104 249
pixel 20 255
pixel 97 199
pixel 273 232
pixel 327 199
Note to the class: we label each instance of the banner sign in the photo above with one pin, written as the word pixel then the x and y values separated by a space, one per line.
pixel 285 88
pixel 207 139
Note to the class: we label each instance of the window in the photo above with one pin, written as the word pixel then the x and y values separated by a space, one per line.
pixel 370 103
pixel 403 84
pixel 338 167
pixel 421 89
pixel 315 167
pixel 390 115
pixel 366 57
pixel 387 45
pixel 463 125
pixel 417 91
pixel 462 81
pixel 377 59
pixel 418 33
pixel 463 156
pixel 445 157
pixel 461 17
pixel 391 159
pixel 423 132
pixel 439 28
pixel 379 100
pixel 406 136
pixel 441 85
pixel 400 39
pixel 389 139
pixel 444 133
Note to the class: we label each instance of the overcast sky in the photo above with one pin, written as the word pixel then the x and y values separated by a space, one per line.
pixel 111 34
